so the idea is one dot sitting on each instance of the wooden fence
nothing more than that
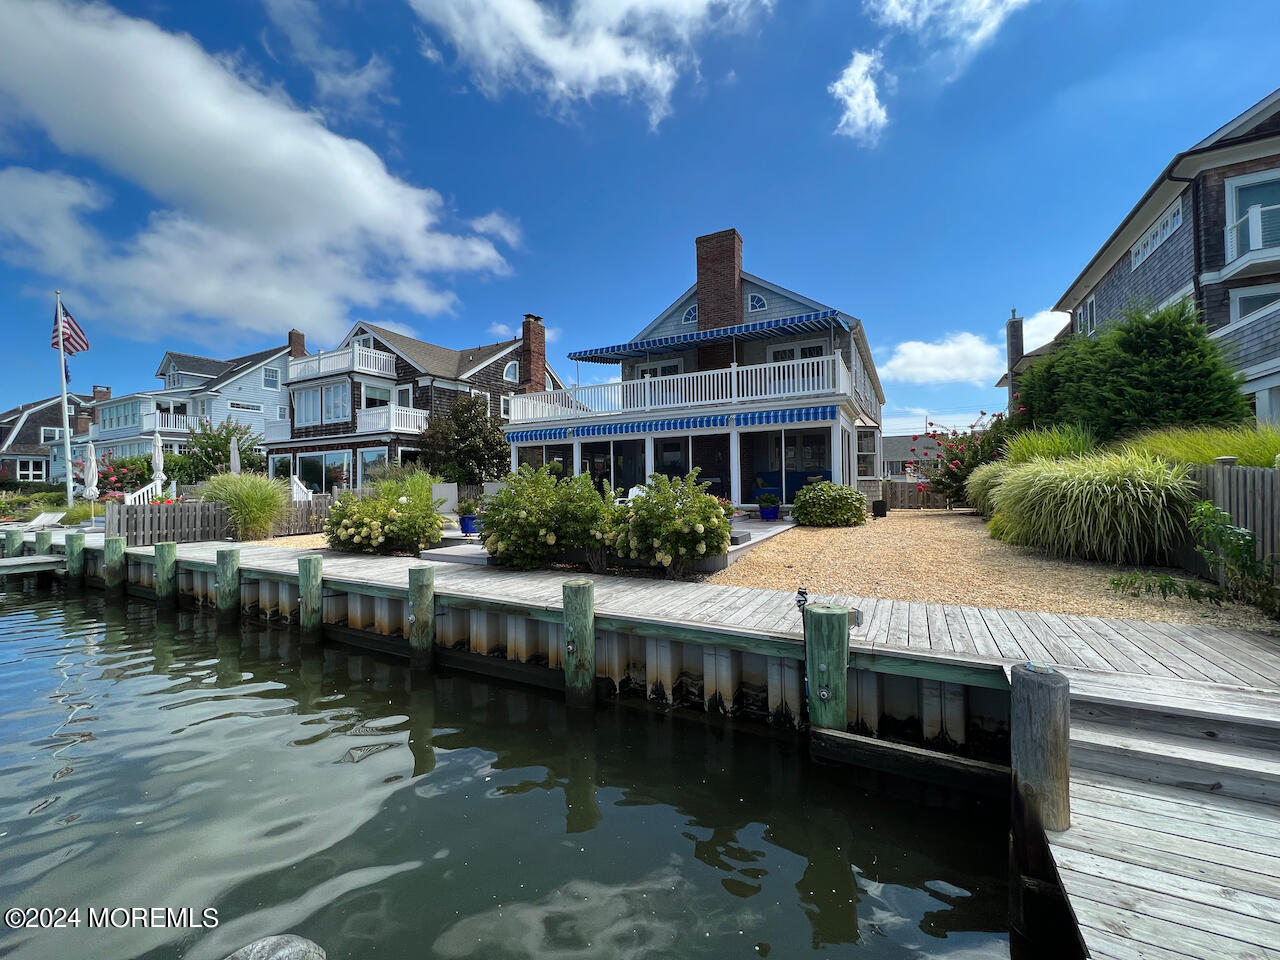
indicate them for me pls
(143, 524)
(1249, 495)
(305, 516)
(903, 494)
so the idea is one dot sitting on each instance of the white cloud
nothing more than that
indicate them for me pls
(1039, 329)
(862, 116)
(963, 24)
(502, 330)
(345, 89)
(957, 358)
(263, 218)
(574, 51)
(495, 224)
(553, 334)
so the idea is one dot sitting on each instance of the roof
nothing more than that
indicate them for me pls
(28, 407)
(899, 448)
(1248, 127)
(235, 367)
(190, 363)
(435, 360)
(759, 330)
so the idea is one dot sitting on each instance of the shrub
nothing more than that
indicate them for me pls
(584, 519)
(467, 444)
(209, 450)
(982, 483)
(671, 524)
(829, 504)
(1052, 443)
(768, 500)
(1114, 507)
(468, 506)
(520, 519)
(959, 454)
(401, 515)
(1254, 446)
(255, 502)
(76, 515)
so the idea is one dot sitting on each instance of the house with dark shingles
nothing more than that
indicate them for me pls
(28, 431)
(248, 390)
(763, 389)
(1208, 229)
(367, 402)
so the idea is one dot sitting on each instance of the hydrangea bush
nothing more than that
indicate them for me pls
(400, 516)
(671, 524)
(584, 519)
(829, 504)
(519, 520)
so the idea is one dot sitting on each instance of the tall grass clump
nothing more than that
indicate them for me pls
(982, 483)
(1052, 443)
(255, 502)
(1255, 446)
(1115, 507)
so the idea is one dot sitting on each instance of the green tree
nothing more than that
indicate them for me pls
(466, 445)
(1152, 369)
(209, 450)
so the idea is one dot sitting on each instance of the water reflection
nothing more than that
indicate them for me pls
(161, 761)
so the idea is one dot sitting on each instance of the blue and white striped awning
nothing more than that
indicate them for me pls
(759, 330)
(784, 416)
(537, 436)
(652, 426)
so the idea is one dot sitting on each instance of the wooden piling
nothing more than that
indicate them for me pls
(310, 595)
(44, 542)
(422, 615)
(579, 643)
(74, 551)
(166, 574)
(13, 543)
(228, 583)
(826, 652)
(113, 564)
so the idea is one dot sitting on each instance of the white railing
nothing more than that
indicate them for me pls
(1257, 229)
(299, 490)
(391, 417)
(144, 494)
(355, 358)
(160, 420)
(274, 430)
(763, 381)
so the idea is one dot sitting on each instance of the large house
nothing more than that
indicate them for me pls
(247, 390)
(763, 389)
(29, 432)
(911, 448)
(1208, 228)
(367, 402)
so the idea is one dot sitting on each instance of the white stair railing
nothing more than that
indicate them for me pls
(143, 494)
(300, 491)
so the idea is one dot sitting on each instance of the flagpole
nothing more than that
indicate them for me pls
(62, 376)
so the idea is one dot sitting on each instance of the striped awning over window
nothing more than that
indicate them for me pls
(675, 424)
(537, 436)
(759, 330)
(653, 426)
(783, 416)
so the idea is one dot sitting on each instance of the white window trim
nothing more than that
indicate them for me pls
(1231, 184)
(511, 365)
(1155, 234)
(796, 345)
(504, 406)
(400, 387)
(685, 318)
(298, 412)
(57, 434)
(764, 303)
(271, 462)
(1240, 292)
(30, 474)
(359, 460)
(282, 411)
(245, 406)
(364, 395)
(267, 386)
(657, 365)
(1091, 313)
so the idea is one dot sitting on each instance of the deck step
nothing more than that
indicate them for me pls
(1234, 770)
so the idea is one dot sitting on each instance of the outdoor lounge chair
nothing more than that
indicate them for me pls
(50, 519)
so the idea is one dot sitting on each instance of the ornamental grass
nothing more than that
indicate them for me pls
(982, 483)
(1052, 443)
(255, 502)
(1119, 507)
(1254, 446)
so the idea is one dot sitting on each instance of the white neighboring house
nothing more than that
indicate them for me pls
(763, 389)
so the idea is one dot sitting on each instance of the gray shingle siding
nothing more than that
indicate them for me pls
(1254, 342)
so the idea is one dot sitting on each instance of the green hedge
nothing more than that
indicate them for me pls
(828, 504)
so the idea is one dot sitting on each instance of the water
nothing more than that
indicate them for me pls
(147, 761)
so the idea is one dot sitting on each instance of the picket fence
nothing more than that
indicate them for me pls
(142, 524)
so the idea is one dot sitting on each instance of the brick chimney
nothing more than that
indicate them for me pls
(533, 355)
(1014, 352)
(719, 292)
(80, 425)
(100, 393)
(297, 343)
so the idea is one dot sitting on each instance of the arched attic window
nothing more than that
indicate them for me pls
(691, 315)
(512, 371)
(755, 303)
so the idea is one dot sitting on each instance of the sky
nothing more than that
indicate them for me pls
(202, 177)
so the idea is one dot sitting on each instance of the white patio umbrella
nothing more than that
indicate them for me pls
(157, 459)
(235, 454)
(90, 476)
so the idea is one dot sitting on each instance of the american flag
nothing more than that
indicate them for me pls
(66, 329)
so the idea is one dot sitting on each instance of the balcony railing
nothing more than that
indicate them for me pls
(354, 359)
(275, 430)
(1258, 229)
(146, 425)
(763, 381)
(391, 418)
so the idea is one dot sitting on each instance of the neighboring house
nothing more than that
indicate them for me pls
(247, 390)
(1208, 229)
(367, 401)
(899, 451)
(28, 432)
(761, 388)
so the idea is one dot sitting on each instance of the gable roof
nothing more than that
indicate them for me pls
(432, 359)
(190, 363)
(899, 447)
(241, 365)
(18, 416)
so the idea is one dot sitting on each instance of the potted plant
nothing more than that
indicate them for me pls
(468, 509)
(768, 504)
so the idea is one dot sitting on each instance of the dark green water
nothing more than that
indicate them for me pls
(153, 762)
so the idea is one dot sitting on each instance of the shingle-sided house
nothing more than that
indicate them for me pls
(367, 401)
(1208, 228)
(911, 448)
(28, 431)
(247, 390)
(763, 389)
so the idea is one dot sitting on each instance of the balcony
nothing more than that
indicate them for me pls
(1253, 242)
(354, 359)
(149, 423)
(390, 419)
(737, 384)
(275, 430)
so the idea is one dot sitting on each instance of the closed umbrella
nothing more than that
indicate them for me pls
(235, 454)
(90, 476)
(157, 460)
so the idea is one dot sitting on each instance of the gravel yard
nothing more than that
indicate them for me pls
(941, 556)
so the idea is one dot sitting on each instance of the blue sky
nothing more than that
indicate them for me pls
(202, 177)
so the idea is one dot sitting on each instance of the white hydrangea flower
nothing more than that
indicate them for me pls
(698, 528)
(702, 548)
(404, 499)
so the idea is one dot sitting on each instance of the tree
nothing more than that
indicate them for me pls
(466, 445)
(209, 449)
(1153, 369)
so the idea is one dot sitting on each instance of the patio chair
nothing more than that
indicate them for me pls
(631, 494)
(44, 520)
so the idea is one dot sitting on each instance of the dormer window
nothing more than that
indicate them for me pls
(691, 315)
(512, 371)
(755, 303)
(548, 384)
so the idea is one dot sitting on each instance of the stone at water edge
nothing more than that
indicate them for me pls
(284, 947)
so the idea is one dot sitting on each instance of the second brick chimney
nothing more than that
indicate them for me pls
(533, 355)
(100, 393)
(719, 292)
(297, 343)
